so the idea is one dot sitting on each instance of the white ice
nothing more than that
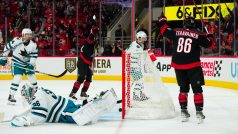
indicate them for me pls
(221, 110)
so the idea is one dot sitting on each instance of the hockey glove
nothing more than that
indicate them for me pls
(3, 62)
(162, 24)
(162, 20)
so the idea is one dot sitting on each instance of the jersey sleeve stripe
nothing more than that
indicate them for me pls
(34, 53)
(39, 114)
(7, 46)
(57, 112)
(39, 111)
(13, 84)
(40, 108)
(10, 46)
(53, 108)
(33, 56)
(13, 88)
(19, 60)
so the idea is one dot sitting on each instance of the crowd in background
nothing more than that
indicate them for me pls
(64, 26)
(57, 23)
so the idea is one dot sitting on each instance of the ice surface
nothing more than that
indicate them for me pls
(221, 110)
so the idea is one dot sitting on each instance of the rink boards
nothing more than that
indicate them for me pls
(218, 71)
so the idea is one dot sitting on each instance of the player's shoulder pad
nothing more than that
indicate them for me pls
(17, 40)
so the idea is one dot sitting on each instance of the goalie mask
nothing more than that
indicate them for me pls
(26, 34)
(141, 37)
(27, 92)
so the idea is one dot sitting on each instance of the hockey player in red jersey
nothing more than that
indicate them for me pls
(186, 62)
(84, 64)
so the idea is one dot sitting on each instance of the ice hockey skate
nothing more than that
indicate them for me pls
(11, 100)
(84, 96)
(200, 116)
(72, 97)
(185, 115)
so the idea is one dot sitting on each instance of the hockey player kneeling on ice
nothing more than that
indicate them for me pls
(45, 106)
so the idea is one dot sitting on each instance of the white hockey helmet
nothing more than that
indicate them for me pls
(27, 92)
(141, 37)
(26, 31)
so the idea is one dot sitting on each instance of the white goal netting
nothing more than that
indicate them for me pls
(144, 95)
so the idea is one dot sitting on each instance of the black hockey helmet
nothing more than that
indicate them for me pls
(189, 22)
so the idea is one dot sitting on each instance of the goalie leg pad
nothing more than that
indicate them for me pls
(93, 109)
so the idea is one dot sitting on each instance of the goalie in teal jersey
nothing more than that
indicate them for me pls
(45, 106)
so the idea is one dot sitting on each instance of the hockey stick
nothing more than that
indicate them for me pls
(56, 76)
(200, 17)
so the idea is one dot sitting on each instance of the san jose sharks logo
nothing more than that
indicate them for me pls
(24, 53)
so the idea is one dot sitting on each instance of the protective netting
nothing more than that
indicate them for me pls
(145, 96)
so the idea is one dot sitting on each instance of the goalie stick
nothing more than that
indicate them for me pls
(56, 76)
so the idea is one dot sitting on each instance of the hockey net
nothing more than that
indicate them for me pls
(144, 95)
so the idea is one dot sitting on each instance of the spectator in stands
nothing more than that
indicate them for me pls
(117, 48)
(42, 45)
(99, 50)
(120, 32)
(107, 50)
(227, 32)
(212, 28)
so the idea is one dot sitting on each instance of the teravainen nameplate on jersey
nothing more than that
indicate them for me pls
(70, 64)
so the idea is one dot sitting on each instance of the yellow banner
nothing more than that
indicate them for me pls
(207, 11)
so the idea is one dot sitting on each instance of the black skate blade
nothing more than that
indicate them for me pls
(11, 103)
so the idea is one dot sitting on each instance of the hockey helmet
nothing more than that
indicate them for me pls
(26, 31)
(27, 92)
(141, 37)
(189, 22)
